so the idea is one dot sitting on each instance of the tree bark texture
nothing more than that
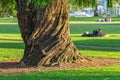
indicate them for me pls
(46, 34)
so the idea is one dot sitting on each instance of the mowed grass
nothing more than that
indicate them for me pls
(110, 40)
(92, 20)
(100, 73)
(99, 53)
(11, 42)
(8, 20)
(11, 47)
(73, 20)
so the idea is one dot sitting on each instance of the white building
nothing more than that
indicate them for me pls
(102, 7)
(117, 10)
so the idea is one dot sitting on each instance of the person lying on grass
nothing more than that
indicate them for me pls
(96, 33)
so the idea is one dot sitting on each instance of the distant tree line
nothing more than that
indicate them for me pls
(7, 8)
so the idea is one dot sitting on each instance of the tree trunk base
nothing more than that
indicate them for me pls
(45, 32)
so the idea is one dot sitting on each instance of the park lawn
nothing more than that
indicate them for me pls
(11, 42)
(100, 73)
(92, 19)
(10, 37)
(8, 20)
(111, 40)
(9, 29)
(10, 54)
(73, 20)
(107, 29)
(90, 22)
(12, 48)
(99, 53)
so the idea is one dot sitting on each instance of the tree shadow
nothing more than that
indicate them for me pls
(106, 28)
(6, 65)
(16, 40)
(98, 44)
(9, 29)
(14, 45)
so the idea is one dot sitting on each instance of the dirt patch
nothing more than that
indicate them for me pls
(12, 66)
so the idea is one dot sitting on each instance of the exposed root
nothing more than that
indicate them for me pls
(22, 64)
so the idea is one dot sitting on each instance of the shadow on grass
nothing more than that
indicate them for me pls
(6, 65)
(12, 45)
(97, 44)
(106, 28)
(65, 75)
(9, 29)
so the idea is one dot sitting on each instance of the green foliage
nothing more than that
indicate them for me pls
(7, 8)
(110, 3)
(118, 1)
(9, 5)
(39, 3)
(84, 3)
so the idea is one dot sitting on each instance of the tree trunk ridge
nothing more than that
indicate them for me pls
(46, 34)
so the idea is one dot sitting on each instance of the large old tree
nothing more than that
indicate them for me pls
(44, 26)
(45, 32)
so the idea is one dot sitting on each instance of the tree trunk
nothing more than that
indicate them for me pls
(46, 34)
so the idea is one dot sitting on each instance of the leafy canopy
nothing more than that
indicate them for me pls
(84, 3)
(37, 3)
(10, 4)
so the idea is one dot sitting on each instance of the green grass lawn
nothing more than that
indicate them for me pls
(8, 20)
(107, 29)
(11, 42)
(99, 53)
(91, 19)
(73, 20)
(111, 40)
(106, 73)
(11, 47)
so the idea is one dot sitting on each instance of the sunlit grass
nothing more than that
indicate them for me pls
(11, 41)
(10, 53)
(100, 73)
(92, 19)
(11, 36)
(11, 47)
(90, 22)
(4, 20)
(111, 40)
(99, 53)
(107, 29)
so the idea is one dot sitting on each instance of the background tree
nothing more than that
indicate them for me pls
(44, 26)
(7, 8)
